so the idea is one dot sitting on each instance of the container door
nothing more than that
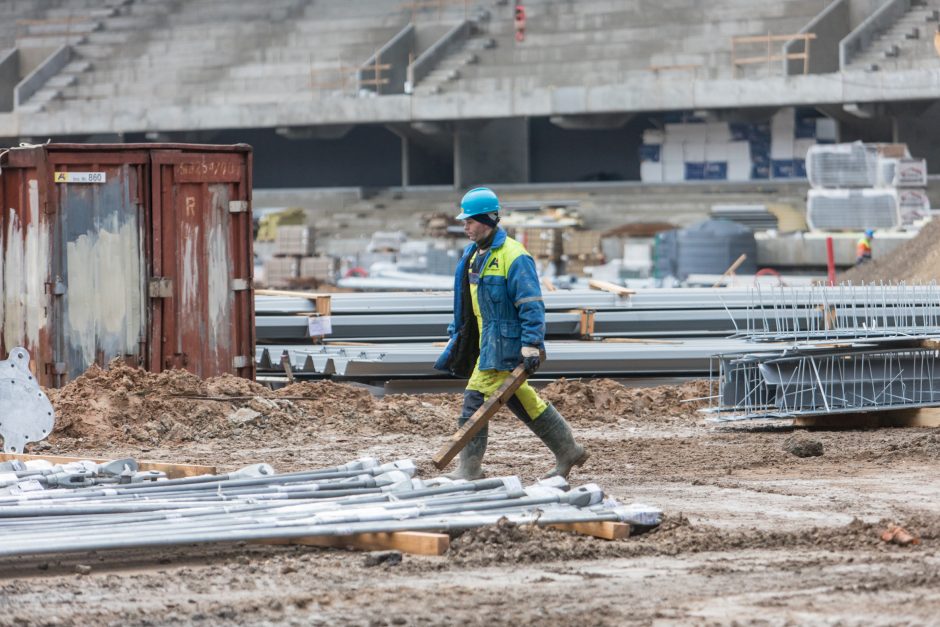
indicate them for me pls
(25, 265)
(203, 311)
(100, 278)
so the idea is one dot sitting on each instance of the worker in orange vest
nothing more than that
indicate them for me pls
(863, 248)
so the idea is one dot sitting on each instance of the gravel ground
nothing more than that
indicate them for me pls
(754, 534)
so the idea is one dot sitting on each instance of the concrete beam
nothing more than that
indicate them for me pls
(647, 94)
(591, 122)
(41, 75)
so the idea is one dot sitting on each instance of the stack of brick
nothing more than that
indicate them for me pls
(580, 249)
(294, 259)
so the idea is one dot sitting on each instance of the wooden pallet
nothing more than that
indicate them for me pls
(424, 543)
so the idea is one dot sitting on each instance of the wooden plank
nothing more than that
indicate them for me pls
(731, 269)
(479, 419)
(928, 417)
(173, 471)
(412, 542)
(637, 340)
(613, 288)
(762, 39)
(604, 530)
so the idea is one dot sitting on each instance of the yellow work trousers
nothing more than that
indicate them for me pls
(526, 403)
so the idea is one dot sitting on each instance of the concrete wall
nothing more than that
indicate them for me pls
(43, 72)
(494, 151)
(830, 27)
(435, 53)
(396, 53)
(584, 155)
(9, 77)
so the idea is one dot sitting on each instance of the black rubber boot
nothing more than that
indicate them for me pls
(471, 457)
(554, 431)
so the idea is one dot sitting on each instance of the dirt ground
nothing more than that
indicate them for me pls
(753, 533)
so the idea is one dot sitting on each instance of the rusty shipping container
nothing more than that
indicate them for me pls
(138, 251)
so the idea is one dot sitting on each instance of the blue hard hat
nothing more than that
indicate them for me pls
(869, 233)
(477, 201)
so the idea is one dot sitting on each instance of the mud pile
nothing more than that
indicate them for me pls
(506, 542)
(917, 261)
(605, 400)
(125, 404)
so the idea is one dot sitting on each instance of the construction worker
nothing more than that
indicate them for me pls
(518, 22)
(499, 322)
(863, 248)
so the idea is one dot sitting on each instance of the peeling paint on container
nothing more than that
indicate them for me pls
(140, 264)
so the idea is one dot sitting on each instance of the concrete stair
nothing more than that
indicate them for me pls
(607, 41)
(898, 48)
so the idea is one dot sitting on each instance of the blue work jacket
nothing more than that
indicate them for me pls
(511, 307)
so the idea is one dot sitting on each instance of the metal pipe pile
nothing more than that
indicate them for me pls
(362, 496)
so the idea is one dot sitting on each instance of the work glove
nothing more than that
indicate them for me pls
(531, 359)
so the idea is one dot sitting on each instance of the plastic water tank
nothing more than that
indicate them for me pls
(710, 247)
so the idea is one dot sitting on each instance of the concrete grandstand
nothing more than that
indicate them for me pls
(388, 93)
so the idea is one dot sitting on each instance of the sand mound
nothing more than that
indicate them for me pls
(917, 261)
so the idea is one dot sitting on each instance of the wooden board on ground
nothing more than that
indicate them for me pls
(413, 542)
(322, 301)
(478, 420)
(173, 471)
(613, 288)
(926, 417)
(605, 530)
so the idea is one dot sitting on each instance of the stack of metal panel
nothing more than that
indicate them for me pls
(874, 348)
(254, 504)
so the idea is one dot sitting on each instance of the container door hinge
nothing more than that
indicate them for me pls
(240, 285)
(160, 287)
(56, 288)
(240, 361)
(57, 367)
(237, 206)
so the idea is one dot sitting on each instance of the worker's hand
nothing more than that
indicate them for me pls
(531, 359)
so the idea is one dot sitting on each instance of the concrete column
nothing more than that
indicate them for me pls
(495, 151)
(405, 162)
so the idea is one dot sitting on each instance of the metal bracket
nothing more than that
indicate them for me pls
(237, 206)
(26, 415)
(160, 287)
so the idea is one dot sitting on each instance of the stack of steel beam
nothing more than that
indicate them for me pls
(867, 349)
(362, 496)
(389, 361)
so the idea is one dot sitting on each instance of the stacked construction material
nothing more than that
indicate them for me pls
(257, 504)
(691, 148)
(866, 349)
(865, 186)
(580, 250)
(293, 255)
(672, 332)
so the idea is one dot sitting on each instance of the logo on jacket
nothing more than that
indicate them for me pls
(495, 263)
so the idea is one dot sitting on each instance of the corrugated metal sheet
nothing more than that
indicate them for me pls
(151, 263)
